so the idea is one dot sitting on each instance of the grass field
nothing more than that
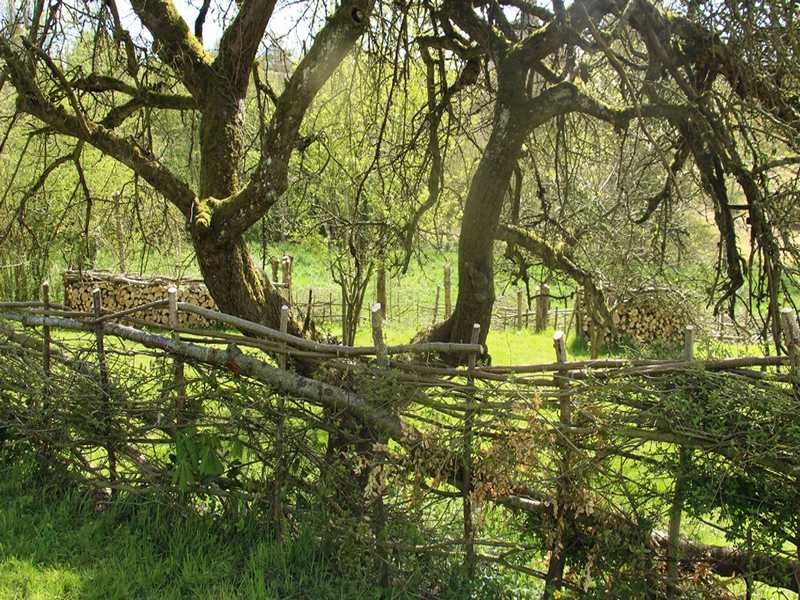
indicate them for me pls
(54, 546)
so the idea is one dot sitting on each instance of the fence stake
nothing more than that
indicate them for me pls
(791, 334)
(180, 379)
(280, 470)
(275, 264)
(578, 312)
(377, 333)
(676, 508)
(309, 310)
(688, 343)
(469, 417)
(378, 507)
(448, 305)
(380, 291)
(46, 346)
(284, 326)
(97, 304)
(519, 308)
(555, 569)
(287, 277)
(436, 306)
(542, 307)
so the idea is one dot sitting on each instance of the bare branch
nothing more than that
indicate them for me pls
(178, 47)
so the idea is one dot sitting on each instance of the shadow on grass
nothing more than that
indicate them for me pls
(53, 545)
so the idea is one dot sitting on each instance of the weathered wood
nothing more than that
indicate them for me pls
(542, 307)
(126, 294)
(380, 288)
(275, 264)
(286, 266)
(676, 507)
(179, 375)
(319, 393)
(436, 307)
(448, 303)
(520, 296)
(105, 388)
(336, 350)
(281, 471)
(791, 335)
(467, 487)
(688, 343)
(284, 325)
(554, 579)
(376, 318)
(46, 346)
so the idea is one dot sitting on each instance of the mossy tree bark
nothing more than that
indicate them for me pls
(536, 60)
(223, 208)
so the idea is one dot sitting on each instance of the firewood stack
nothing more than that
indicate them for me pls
(648, 315)
(121, 292)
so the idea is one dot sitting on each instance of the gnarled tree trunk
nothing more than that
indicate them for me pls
(478, 227)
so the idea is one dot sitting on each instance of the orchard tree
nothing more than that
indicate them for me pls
(91, 103)
(721, 79)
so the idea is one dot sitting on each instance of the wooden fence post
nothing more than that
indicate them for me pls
(345, 326)
(555, 568)
(791, 334)
(284, 326)
(97, 305)
(378, 507)
(280, 470)
(688, 343)
(676, 508)
(542, 307)
(436, 306)
(380, 291)
(286, 263)
(469, 417)
(275, 264)
(519, 308)
(578, 312)
(46, 346)
(376, 318)
(448, 304)
(180, 380)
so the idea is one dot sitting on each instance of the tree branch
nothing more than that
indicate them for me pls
(177, 46)
(31, 100)
(235, 214)
(239, 43)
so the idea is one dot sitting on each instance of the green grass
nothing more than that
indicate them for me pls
(53, 545)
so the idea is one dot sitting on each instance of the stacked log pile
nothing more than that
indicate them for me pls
(647, 315)
(121, 292)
